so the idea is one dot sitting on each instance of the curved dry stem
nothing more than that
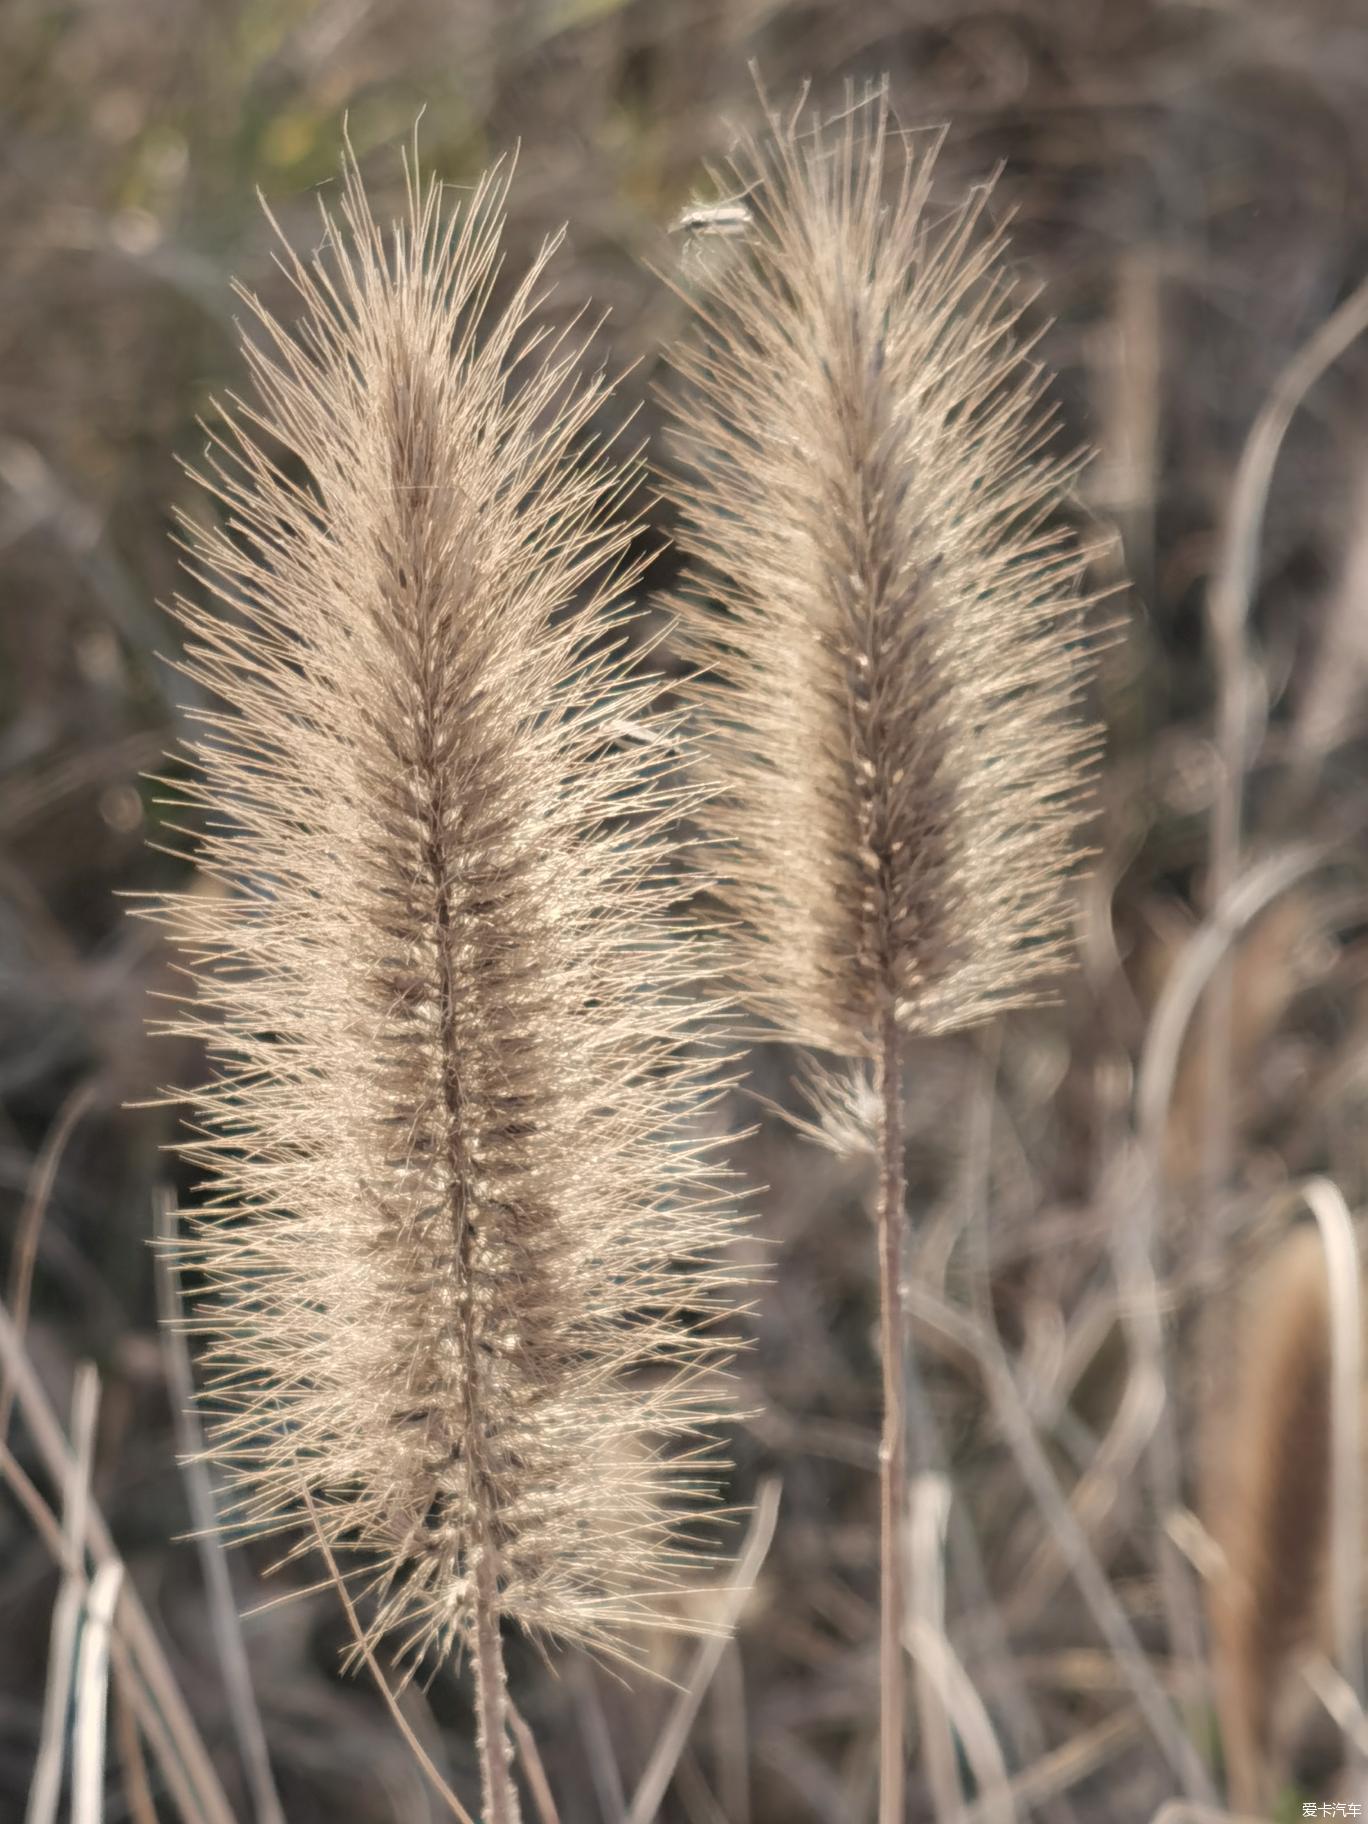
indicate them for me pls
(1344, 1273)
(367, 1653)
(1037, 1473)
(210, 1802)
(1191, 974)
(1228, 602)
(669, 1745)
(36, 1198)
(529, 1759)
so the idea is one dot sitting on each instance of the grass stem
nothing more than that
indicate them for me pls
(491, 1700)
(893, 1445)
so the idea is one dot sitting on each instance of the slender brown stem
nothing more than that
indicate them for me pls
(491, 1700)
(136, 1786)
(892, 1446)
(534, 1773)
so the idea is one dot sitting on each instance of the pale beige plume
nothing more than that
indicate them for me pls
(457, 1259)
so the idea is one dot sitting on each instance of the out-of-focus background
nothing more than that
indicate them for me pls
(1187, 184)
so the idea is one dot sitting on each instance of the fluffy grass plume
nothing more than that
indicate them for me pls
(1269, 1441)
(887, 631)
(890, 687)
(462, 1250)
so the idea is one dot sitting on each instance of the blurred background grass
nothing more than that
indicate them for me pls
(1187, 185)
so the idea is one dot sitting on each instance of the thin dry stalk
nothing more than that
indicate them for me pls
(142, 1711)
(730, 1731)
(659, 1771)
(458, 1254)
(1341, 1704)
(1339, 1239)
(1038, 1474)
(92, 1694)
(1054, 1773)
(36, 1199)
(992, 1650)
(695, 1794)
(1131, 405)
(1330, 700)
(137, 1788)
(598, 1747)
(1135, 1231)
(45, 1788)
(1196, 972)
(1111, 1466)
(137, 1707)
(162, 1740)
(181, 1751)
(230, 1649)
(166, 1718)
(887, 632)
(366, 1651)
(940, 1665)
(891, 1222)
(1190, 978)
(529, 1759)
(930, 1507)
(1228, 603)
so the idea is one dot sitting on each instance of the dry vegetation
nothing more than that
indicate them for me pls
(1094, 1185)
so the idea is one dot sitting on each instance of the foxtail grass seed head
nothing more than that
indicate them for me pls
(1268, 1441)
(885, 617)
(459, 1253)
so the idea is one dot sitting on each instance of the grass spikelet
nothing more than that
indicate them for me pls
(462, 1250)
(889, 692)
(1269, 1505)
(887, 629)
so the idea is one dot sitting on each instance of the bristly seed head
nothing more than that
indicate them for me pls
(886, 624)
(461, 1255)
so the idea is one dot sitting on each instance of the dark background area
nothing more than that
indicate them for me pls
(1187, 187)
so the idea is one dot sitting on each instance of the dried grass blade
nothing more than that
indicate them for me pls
(231, 1649)
(92, 1697)
(1345, 1275)
(178, 1726)
(45, 1789)
(1038, 1475)
(655, 1780)
(930, 1507)
(529, 1758)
